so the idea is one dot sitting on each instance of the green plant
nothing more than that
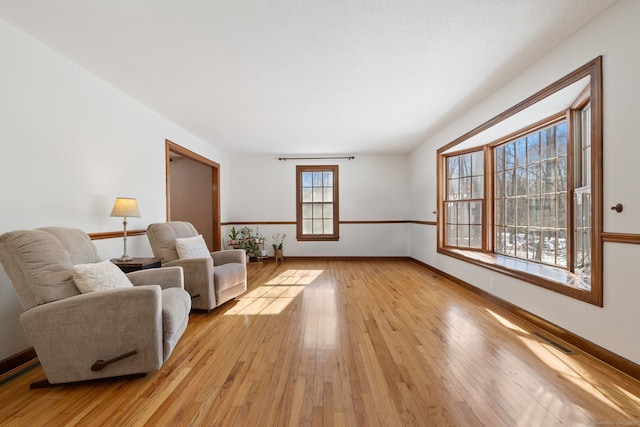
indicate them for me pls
(259, 236)
(260, 240)
(244, 233)
(278, 240)
(248, 241)
(233, 235)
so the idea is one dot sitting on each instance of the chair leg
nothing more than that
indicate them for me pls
(46, 384)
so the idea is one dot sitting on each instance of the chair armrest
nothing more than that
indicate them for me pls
(70, 335)
(229, 256)
(171, 277)
(198, 274)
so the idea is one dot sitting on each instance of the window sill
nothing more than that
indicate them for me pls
(552, 278)
(317, 238)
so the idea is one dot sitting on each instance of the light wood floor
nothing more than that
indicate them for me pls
(346, 343)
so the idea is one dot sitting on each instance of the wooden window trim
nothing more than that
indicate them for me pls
(483, 200)
(592, 69)
(335, 236)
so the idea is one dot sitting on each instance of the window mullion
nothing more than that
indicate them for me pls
(573, 117)
(488, 234)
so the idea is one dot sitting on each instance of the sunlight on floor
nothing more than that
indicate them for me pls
(532, 416)
(568, 370)
(628, 395)
(275, 295)
(505, 322)
(295, 277)
(563, 364)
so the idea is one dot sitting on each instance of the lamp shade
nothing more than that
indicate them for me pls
(126, 207)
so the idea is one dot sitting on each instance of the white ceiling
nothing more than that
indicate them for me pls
(306, 77)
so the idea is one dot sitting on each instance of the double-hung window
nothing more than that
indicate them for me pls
(317, 202)
(523, 202)
(464, 201)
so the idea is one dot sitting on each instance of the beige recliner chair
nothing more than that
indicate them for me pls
(129, 329)
(211, 280)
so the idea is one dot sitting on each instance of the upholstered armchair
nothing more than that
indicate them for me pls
(212, 278)
(119, 325)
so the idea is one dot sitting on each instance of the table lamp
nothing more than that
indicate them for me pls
(125, 207)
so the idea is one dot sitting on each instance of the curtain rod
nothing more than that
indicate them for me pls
(316, 158)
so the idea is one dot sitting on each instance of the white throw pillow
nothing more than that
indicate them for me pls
(99, 276)
(192, 247)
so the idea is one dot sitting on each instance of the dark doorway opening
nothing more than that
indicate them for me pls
(193, 192)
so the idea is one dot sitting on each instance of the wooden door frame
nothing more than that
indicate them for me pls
(171, 147)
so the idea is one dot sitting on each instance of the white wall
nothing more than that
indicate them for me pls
(372, 188)
(614, 35)
(69, 145)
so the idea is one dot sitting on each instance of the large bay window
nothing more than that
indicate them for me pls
(516, 194)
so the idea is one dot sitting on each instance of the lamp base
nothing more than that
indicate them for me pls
(125, 257)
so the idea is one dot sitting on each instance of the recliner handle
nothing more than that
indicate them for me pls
(99, 365)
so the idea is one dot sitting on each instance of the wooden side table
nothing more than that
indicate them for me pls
(136, 264)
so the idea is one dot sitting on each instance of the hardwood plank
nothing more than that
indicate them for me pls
(361, 343)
